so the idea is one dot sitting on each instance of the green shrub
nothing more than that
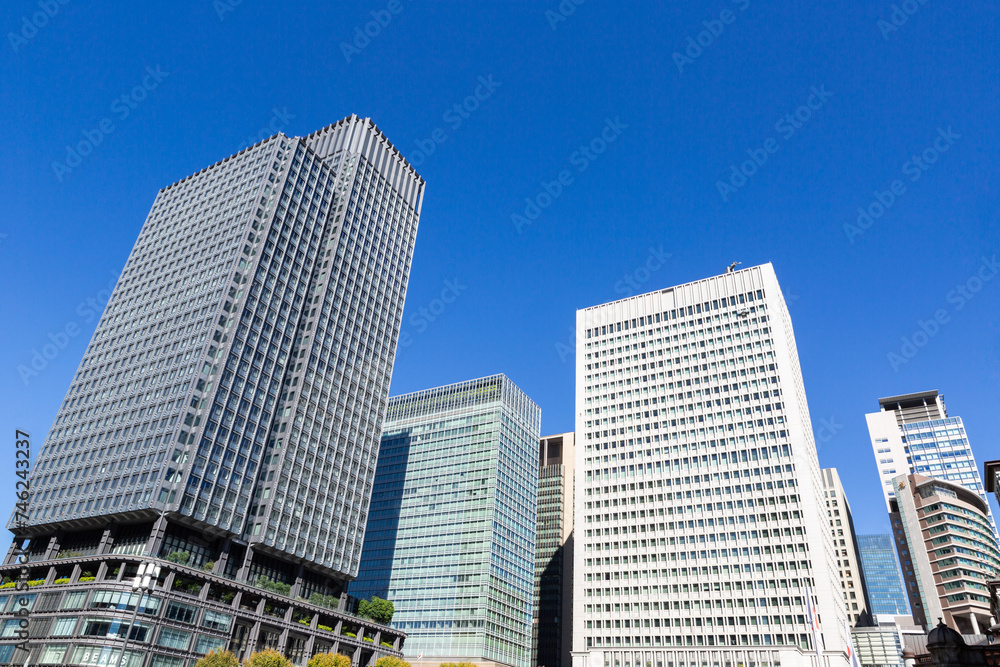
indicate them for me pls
(387, 644)
(86, 579)
(329, 660)
(268, 658)
(36, 582)
(61, 580)
(328, 601)
(209, 566)
(391, 661)
(377, 609)
(351, 634)
(9, 584)
(325, 627)
(218, 658)
(368, 639)
(228, 596)
(179, 557)
(273, 586)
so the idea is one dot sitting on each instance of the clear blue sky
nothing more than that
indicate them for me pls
(679, 122)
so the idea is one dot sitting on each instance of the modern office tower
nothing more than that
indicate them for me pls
(845, 545)
(224, 421)
(552, 629)
(701, 531)
(881, 573)
(451, 531)
(913, 434)
(943, 529)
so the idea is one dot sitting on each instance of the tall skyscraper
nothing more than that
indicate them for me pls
(846, 549)
(882, 580)
(227, 411)
(913, 434)
(701, 531)
(552, 629)
(943, 529)
(451, 532)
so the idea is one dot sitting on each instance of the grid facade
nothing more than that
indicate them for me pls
(700, 524)
(451, 532)
(913, 434)
(946, 534)
(238, 375)
(845, 544)
(880, 646)
(552, 624)
(881, 573)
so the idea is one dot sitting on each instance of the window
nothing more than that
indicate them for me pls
(166, 661)
(53, 653)
(63, 627)
(215, 620)
(171, 638)
(74, 600)
(182, 613)
(204, 644)
(10, 627)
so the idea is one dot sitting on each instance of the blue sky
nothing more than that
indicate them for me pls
(829, 101)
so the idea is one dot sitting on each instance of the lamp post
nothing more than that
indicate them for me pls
(142, 582)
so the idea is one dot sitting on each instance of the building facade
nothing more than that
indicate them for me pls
(879, 645)
(228, 408)
(852, 582)
(883, 583)
(701, 531)
(943, 529)
(552, 624)
(451, 532)
(913, 434)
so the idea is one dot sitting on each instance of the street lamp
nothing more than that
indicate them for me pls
(142, 582)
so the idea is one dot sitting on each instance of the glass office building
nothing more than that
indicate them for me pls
(451, 530)
(881, 573)
(914, 434)
(227, 410)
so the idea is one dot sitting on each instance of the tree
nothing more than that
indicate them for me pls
(218, 658)
(378, 610)
(391, 661)
(268, 658)
(329, 660)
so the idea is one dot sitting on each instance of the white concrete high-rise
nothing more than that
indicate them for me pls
(700, 523)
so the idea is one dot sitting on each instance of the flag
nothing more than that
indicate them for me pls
(852, 655)
(813, 621)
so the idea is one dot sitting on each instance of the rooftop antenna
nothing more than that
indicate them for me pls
(732, 267)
